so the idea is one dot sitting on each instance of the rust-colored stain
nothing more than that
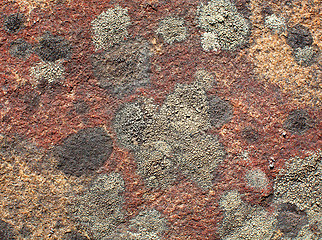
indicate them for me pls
(276, 117)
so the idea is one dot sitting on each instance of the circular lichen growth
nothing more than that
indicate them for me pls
(299, 37)
(123, 68)
(110, 27)
(220, 111)
(156, 164)
(99, 209)
(47, 72)
(257, 179)
(20, 49)
(52, 48)
(220, 17)
(84, 152)
(275, 23)
(129, 123)
(300, 174)
(172, 29)
(298, 122)
(14, 22)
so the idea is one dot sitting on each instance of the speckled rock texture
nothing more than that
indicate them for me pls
(160, 120)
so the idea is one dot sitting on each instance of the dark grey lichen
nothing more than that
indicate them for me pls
(250, 134)
(6, 231)
(99, 209)
(298, 121)
(221, 18)
(52, 48)
(290, 219)
(123, 68)
(20, 49)
(14, 22)
(220, 111)
(84, 151)
(299, 37)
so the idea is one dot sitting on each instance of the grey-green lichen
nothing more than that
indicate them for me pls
(275, 23)
(147, 225)
(171, 139)
(99, 209)
(50, 72)
(300, 182)
(257, 179)
(172, 29)
(110, 27)
(305, 55)
(221, 18)
(243, 221)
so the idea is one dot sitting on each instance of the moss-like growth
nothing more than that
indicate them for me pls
(110, 27)
(172, 29)
(123, 68)
(84, 152)
(221, 17)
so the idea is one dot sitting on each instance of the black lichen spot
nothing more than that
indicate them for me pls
(14, 22)
(6, 231)
(220, 111)
(250, 134)
(123, 68)
(290, 220)
(298, 121)
(74, 236)
(84, 151)
(52, 48)
(20, 49)
(299, 37)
